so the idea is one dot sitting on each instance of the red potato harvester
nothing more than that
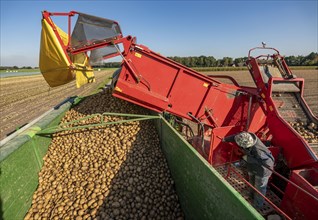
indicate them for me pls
(272, 110)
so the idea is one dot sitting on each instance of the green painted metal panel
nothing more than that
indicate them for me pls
(202, 191)
(19, 175)
(13, 144)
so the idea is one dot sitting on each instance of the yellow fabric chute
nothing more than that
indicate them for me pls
(54, 63)
(84, 73)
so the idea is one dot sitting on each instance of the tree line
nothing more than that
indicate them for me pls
(309, 60)
(209, 61)
(16, 67)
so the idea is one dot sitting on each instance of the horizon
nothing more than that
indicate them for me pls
(173, 28)
(171, 57)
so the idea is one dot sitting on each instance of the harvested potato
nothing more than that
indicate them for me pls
(109, 172)
(309, 131)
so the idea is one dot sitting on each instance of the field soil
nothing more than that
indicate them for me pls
(22, 99)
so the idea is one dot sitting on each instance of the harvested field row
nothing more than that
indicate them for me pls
(22, 99)
(110, 172)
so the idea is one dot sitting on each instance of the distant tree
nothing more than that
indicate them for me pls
(207, 62)
(177, 59)
(200, 61)
(311, 59)
(109, 65)
(218, 63)
(193, 61)
(292, 61)
(226, 61)
(212, 61)
(26, 67)
(186, 61)
(239, 61)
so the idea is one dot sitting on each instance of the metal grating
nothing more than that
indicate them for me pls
(289, 107)
(240, 186)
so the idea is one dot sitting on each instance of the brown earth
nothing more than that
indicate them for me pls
(24, 98)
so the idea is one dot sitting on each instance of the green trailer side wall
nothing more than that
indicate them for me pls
(19, 175)
(203, 193)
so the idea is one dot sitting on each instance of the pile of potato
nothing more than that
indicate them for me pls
(110, 172)
(309, 131)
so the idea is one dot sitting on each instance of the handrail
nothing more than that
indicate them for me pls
(291, 182)
(64, 126)
(226, 77)
(261, 48)
(258, 192)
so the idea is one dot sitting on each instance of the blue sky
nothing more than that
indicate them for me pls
(173, 28)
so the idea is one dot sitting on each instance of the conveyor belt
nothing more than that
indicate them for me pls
(291, 110)
(289, 107)
(239, 185)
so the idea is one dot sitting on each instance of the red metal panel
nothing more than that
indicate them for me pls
(298, 204)
(295, 150)
(132, 93)
(158, 75)
(188, 93)
(221, 152)
(231, 107)
(161, 84)
(258, 117)
(155, 82)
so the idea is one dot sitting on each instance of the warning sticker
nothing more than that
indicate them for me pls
(138, 55)
(118, 89)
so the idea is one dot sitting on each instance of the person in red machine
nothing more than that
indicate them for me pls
(258, 158)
